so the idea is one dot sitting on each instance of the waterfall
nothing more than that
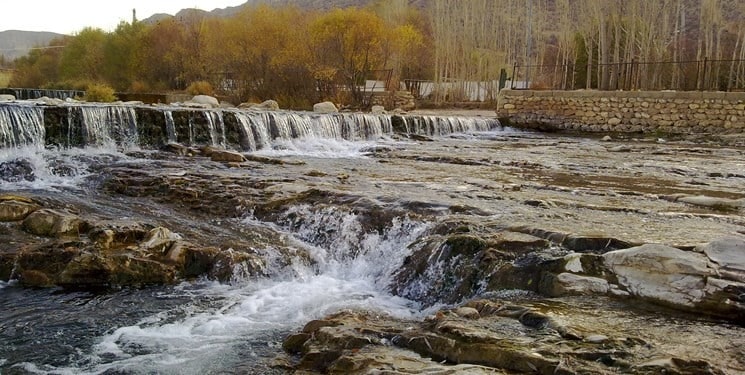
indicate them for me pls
(216, 127)
(442, 125)
(82, 124)
(26, 94)
(261, 128)
(21, 125)
(108, 125)
(170, 126)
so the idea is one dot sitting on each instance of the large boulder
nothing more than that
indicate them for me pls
(227, 156)
(267, 105)
(728, 253)
(325, 107)
(52, 223)
(680, 279)
(7, 98)
(451, 267)
(569, 283)
(16, 210)
(377, 110)
(661, 273)
(206, 100)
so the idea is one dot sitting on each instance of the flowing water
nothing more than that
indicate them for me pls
(204, 326)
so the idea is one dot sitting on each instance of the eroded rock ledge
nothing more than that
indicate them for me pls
(479, 337)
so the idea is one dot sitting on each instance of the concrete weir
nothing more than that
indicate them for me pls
(84, 124)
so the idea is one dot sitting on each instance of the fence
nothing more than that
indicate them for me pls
(454, 90)
(703, 75)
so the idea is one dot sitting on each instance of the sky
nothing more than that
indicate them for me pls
(71, 16)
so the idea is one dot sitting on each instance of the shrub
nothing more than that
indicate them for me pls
(200, 88)
(139, 87)
(99, 92)
(81, 85)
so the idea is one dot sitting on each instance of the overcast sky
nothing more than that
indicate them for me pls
(70, 16)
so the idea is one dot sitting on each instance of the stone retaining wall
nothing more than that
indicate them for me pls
(625, 111)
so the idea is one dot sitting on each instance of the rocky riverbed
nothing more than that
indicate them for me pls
(491, 252)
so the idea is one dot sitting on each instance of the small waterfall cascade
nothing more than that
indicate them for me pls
(21, 125)
(108, 125)
(216, 126)
(261, 128)
(170, 126)
(442, 125)
(30, 94)
(115, 126)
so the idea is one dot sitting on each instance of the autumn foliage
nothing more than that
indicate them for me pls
(261, 53)
(299, 57)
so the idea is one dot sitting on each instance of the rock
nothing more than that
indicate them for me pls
(596, 339)
(87, 269)
(159, 240)
(568, 283)
(377, 110)
(35, 278)
(607, 138)
(117, 234)
(227, 156)
(191, 104)
(661, 273)
(263, 159)
(325, 107)
(190, 260)
(271, 105)
(467, 312)
(677, 366)
(52, 223)
(247, 105)
(211, 101)
(231, 265)
(267, 105)
(41, 265)
(12, 210)
(128, 269)
(177, 149)
(17, 170)
(728, 253)
(49, 101)
(7, 98)
(712, 202)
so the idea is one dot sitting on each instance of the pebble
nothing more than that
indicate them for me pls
(596, 339)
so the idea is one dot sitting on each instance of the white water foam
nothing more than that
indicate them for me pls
(241, 320)
(54, 169)
(316, 147)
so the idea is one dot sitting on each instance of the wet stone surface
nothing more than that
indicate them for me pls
(528, 263)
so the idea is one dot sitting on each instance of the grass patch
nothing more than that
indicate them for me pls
(5, 78)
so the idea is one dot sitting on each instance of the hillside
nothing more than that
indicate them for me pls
(16, 43)
(321, 5)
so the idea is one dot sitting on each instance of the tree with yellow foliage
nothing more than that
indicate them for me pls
(347, 45)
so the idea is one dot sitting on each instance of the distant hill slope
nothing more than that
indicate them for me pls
(305, 4)
(15, 43)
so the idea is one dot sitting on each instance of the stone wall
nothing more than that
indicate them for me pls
(392, 100)
(625, 111)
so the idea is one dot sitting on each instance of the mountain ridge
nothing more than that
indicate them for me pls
(17, 43)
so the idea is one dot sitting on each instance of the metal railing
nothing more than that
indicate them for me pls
(701, 75)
